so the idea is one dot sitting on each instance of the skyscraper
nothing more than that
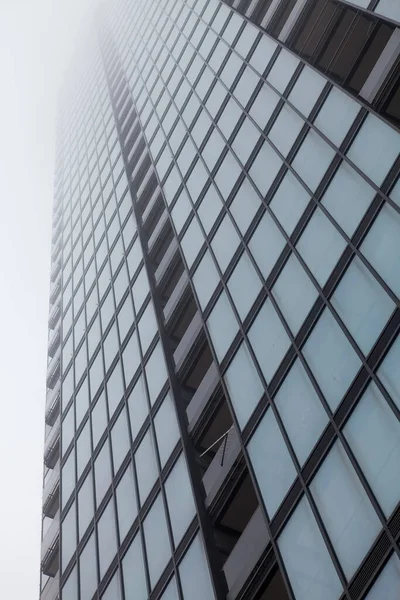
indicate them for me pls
(222, 415)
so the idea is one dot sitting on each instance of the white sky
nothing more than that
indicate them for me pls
(37, 38)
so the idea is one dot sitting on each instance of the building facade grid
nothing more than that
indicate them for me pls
(208, 145)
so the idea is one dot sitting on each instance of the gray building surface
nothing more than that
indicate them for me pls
(222, 413)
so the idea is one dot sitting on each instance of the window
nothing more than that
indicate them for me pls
(306, 558)
(222, 326)
(373, 433)
(294, 293)
(137, 407)
(269, 340)
(133, 572)
(126, 502)
(321, 246)
(107, 538)
(375, 148)
(289, 202)
(167, 430)
(193, 567)
(88, 569)
(225, 242)
(85, 505)
(156, 373)
(120, 441)
(265, 168)
(245, 205)
(301, 411)
(180, 499)
(306, 90)
(273, 467)
(337, 115)
(347, 198)
(382, 244)
(244, 285)
(205, 279)
(68, 536)
(362, 304)
(102, 472)
(345, 509)
(313, 159)
(157, 540)
(331, 358)
(243, 383)
(285, 130)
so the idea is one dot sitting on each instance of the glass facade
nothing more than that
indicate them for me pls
(223, 404)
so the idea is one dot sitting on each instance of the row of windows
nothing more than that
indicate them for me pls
(131, 573)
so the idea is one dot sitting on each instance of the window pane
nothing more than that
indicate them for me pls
(102, 472)
(167, 430)
(120, 441)
(375, 148)
(306, 90)
(157, 540)
(269, 340)
(301, 411)
(146, 466)
(373, 433)
(306, 558)
(113, 591)
(282, 70)
(225, 242)
(68, 478)
(126, 502)
(331, 358)
(321, 246)
(271, 461)
(244, 285)
(289, 202)
(205, 279)
(245, 205)
(85, 505)
(194, 567)
(222, 326)
(265, 168)
(171, 592)
(337, 115)
(68, 536)
(382, 246)
(138, 407)
(294, 293)
(266, 244)
(70, 588)
(107, 538)
(346, 511)
(88, 569)
(243, 384)
(115, 389)
(363, 305)
(285, 129)
(180, 499)
(192, 241)
(83, 449)
(131, 358)
(99, 419)
(133, 572)
(389, 371)
(156, 373)
(313, 159)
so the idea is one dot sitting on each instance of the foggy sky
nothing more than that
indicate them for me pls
(37, 39)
